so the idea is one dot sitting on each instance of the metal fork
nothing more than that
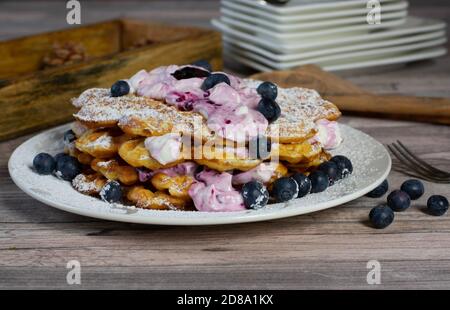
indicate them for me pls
(420, 167)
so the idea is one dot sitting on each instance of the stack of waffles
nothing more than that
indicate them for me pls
(185, 138)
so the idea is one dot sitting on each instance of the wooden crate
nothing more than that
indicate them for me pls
(33, 98)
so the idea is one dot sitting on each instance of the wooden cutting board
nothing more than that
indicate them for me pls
(355, 100)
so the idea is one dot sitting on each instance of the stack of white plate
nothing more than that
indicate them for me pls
(335, 35)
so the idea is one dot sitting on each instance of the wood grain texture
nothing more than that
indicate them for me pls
(328, 249)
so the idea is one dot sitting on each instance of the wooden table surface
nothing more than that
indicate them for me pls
(328, 249)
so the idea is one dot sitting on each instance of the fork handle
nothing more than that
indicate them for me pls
(434, 110)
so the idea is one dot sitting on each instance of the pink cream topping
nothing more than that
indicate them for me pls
(186, 168)
(262, 173)
(213, 192)
(328, 134)
(230, 110)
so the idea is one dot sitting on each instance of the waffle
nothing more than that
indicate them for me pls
(142, 116)
(111, 144)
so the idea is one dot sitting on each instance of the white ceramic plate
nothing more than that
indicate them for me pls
(412, 26)
(262, 24)
(256, 13)
(371, 162)
(349, 64)
(305, 6)
(342, 31)
(386, 53)
(309, 53)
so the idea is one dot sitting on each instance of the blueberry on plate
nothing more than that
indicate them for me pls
(255, 195)
(379, 191)
(111, 192)
(190, 72)
(69, 136)
(203, 64)
(304, 184)
(67, 168)
(414, 188)
(213, 80)
(267, 90)
(398, 201)
(331, 169)
(270, 109)
(437, 205)
(344, 165)
(284, 189)
(319, 181)
(381, 216)
(260, 147)
(120, 88)
(44, 163)
(59, 156)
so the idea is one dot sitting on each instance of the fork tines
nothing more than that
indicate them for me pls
(420, 167)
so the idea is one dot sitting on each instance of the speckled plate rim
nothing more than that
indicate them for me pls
(375, 169)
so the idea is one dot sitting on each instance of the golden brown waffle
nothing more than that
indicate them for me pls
(113, 170)
(101, 143)
(138, 115)
(146, 199)
(295, 153)
(311, 164)
(89, 184)
(177, 186)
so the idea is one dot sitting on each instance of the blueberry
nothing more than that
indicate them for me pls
(437, 205)
(213, 80)
(267, 90)
(304, 184)
(111, 192)
(67, 168)
(344, 165)
(270, 109)
(331, 169)
(203, 64)
(319, 181)
(398, 200)
(59, 156)
(381, 216)
(260, 147)
(190, 72)
(285, 189)
(120, 88)
(414, 188)
(69, 137)
(44, 163)
(255, 195)
(379, 191)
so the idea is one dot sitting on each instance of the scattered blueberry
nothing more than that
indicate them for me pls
(344, 165)
(69, 137)
(319, 181)
(267, 90)
(190, 72)
(203, 64)
(44, 163)
(437, 205)
(304, 184)
(285, 189)
(67, 168)
(111, 192)
(398, 200)
(414, 188)
(260, 147)
(59, 156)
(381, 216)
(379, 191)
(331, 169)
(270, 109)
(255, 195)
(213, 80)
(120, 88)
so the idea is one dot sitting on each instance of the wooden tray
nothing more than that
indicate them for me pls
(33, 98)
